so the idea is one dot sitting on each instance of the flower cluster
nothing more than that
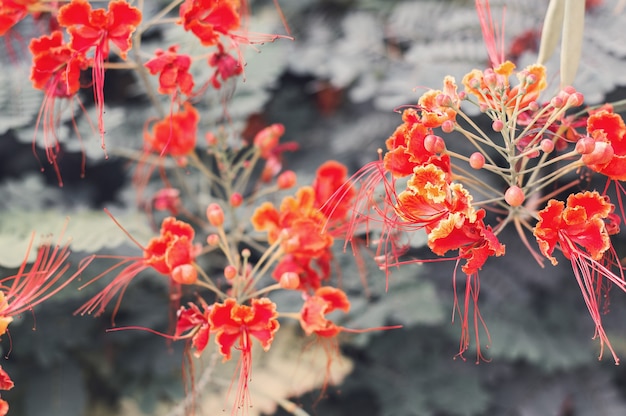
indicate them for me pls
(529, 157)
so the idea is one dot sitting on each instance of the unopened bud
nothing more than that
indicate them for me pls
(585, 145)
(185, 274)
(289, 280)
(236, 199)
(533, 106)
(230, 272)
(575, 100)
(213, 240)
(434, 144)
(497, 125)
(443, 100)
(557, 102)
(215, 215)
(601, 155)
(286, 180)
(514, 196)
(477, 160)
(447, 126)
(547, 145)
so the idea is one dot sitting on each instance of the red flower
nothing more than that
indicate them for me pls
(173, 70)
(94, 29)
(607, 128)
(207, 19)
(579, 228)
(11, 12)
(330, 179)
(237, 324)
(313, 314)
(171, 253)
(581, 223)
(56, 71)
(196, 323)
(225, 66)
(175, 134)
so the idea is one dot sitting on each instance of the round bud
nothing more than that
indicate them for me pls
(236, 199)
(185, 274)
(230, 272)
(477, 160)
(286, 180)
(215, 215)
(547, 145)
(575, 100)
(213, 240)
(434, 144)
(514, 196)
(289, 280)
(585, 145)
(557, 102)
(533, 106)
(447, 126)
(497, 125)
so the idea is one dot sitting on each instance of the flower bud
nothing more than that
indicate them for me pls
(477, 160)
(215, 215)
(497, 125)
(447, 126)
(547, 145)
(213, 240)
(434, 144)
(514, 196)
(286, 180)
(601, 155)
(533, 106)
(236, 199)
(289, 280)
(585, 145)
(230, 272)
(185, 274)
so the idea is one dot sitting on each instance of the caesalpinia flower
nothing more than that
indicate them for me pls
(608, 156)
(208, 19)
(95, 29)
(174, 135)
(581, 229)
(173, 70)
(13, 11)
(235, 325)
(172, 253)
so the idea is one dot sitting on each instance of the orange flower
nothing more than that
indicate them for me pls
(429, 198)
(234, 323)
(493, 90)
(439, 106)
(331, 178)
(313, 314)
(607, 129)
(171, 253)
(94, 29)
(175, 134)
(173, 70)
(207, 19)
(299, 223)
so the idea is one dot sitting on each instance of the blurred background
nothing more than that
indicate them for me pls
(337, 88)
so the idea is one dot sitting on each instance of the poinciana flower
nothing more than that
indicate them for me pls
(226, 66)
(95, 29)
(208, 19)
(267, 141)
(608, 156)
(56, 71)
(173, 70)
(174, 135)
(325, 300)
(193, 322)
(13, 11)
(581, 229)
(235, 325)
(172, 253)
